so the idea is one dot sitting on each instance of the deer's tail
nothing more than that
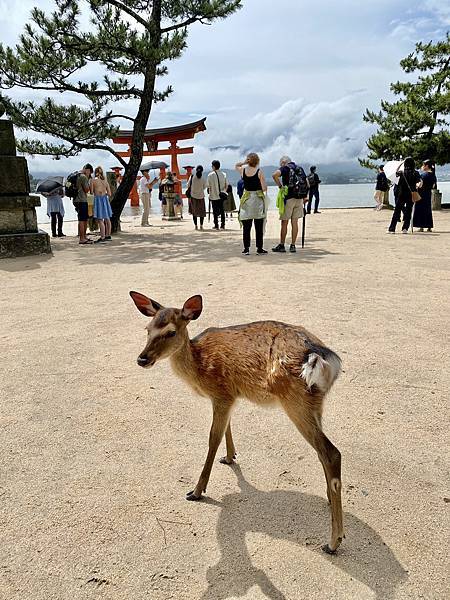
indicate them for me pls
(321, 368)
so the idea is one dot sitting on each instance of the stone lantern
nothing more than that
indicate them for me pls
(169, 190)
(19, 233)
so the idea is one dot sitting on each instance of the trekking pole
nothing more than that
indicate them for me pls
(412, 217)
(303, 226)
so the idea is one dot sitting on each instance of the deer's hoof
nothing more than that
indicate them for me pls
(227, 461)
(326, 548)
(192, 497)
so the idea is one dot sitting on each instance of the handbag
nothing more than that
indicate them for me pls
(222, 195)
(188, 191)
(415, 196)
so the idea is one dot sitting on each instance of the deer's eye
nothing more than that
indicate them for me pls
(170, 334)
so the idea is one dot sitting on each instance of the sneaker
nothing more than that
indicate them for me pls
(279, 248)
(100, 241)
(216, 228)
(61, 235)
(222, 227)
(317, 212)
(246, 251)
(389, 231)
(261, 251)
(108, 238)
(292, 248)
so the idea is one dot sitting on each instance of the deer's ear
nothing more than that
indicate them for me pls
(146, 306)
(192, 308)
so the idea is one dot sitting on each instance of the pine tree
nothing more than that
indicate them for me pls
(128, 42)
(417, 124)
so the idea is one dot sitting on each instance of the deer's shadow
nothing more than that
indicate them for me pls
(300, 518)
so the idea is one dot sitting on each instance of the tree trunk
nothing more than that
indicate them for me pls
(140, 124)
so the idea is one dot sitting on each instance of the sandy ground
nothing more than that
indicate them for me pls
(97, 454)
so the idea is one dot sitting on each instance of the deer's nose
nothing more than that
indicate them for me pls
(142, 362)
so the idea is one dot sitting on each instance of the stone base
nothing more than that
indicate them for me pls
(24, 244)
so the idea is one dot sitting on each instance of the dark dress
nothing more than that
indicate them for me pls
(423, 217)
(406, 184)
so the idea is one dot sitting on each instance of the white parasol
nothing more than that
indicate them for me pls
(391, 168)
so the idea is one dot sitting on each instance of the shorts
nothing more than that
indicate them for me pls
(293, 209)
(82, 210)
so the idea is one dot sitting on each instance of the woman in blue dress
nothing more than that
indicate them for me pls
(423, 217)
(102, 208)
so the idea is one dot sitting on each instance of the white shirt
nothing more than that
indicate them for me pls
(143, 183)
(214, 179)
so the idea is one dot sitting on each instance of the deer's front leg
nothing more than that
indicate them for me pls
(221, 415)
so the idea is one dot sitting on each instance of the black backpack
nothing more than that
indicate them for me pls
(71, 187)
(298, 183)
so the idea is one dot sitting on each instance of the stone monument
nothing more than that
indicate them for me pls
(170, 194)
(19, 233)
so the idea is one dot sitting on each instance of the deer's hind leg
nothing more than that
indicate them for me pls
(221, 417)
(303, 414)
(231, 450)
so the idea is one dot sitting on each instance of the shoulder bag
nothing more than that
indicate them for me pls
(415, 196)
(222, 195)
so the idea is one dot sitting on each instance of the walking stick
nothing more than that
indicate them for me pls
(303, 226)
(412, 217)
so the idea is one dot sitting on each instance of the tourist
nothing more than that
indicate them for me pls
(81, 202)
(196, 192)
(409, 179)
(102, 207)
(423, 216)
(253, 207)
(229, 205)
(145, 190)
(55, 210)
(217, 185)
(162, 199)
(313, 182)
(293, 185)
(381, 187)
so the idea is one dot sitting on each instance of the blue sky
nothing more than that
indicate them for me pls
(287, 77)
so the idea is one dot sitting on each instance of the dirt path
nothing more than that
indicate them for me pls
(97, 454)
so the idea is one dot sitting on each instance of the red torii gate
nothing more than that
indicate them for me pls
(172, 135)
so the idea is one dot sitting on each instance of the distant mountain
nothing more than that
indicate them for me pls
(216, 148)
(332, 173)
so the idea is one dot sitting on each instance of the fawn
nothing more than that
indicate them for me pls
(266, 362)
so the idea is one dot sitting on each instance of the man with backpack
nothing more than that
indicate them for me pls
(291, 178)
(313, 182)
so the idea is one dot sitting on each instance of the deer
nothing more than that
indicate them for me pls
(265, 362)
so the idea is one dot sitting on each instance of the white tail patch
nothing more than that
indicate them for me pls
(320, 372)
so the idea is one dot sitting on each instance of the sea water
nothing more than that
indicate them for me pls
(355, 195)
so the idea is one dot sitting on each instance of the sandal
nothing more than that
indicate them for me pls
(85, 242)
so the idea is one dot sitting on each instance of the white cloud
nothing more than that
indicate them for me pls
(278, 79)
